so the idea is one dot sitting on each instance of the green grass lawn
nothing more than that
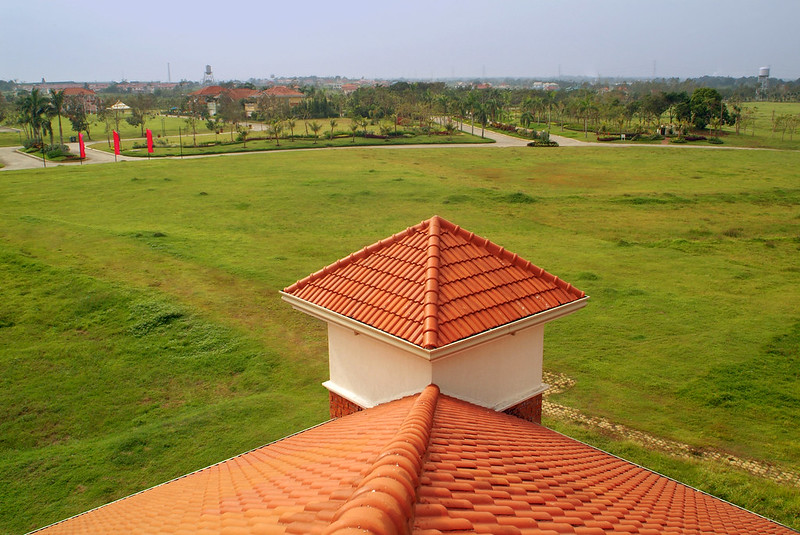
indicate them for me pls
(142, 335)
(174, 148)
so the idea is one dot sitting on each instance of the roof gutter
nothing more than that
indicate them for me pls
(357, 327)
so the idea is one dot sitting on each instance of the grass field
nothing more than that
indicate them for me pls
(142, 335)
(756, 134)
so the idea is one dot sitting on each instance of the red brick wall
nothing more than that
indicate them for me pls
(530, 409)
(341, 406)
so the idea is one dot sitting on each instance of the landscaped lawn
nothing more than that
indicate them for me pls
(142, 335)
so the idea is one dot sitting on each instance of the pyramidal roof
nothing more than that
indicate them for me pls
(434, 284)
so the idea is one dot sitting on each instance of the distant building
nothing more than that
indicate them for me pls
(79, 96)
(212, 93)
(290, 96)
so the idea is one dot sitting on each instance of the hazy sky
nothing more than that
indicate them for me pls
(88, 40)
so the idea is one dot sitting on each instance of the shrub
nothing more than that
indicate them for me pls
(55, 151)
(677, 140)
(607, 138)
(715, 141)
(694, 138)
(538, 143)
(32, 144)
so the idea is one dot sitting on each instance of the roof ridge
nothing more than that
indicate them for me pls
(430, 325)
(384, 500)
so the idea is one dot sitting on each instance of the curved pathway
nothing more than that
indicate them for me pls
(14, 160)
(559, 382)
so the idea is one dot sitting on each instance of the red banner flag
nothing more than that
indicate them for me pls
(116, 142)
(82, 146)
(149, 141)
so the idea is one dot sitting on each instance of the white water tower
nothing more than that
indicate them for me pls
(208, 76)
(763, 83)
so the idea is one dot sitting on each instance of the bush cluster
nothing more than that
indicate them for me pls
(55, 151)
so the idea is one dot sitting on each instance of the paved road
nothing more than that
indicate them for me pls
(14, 160)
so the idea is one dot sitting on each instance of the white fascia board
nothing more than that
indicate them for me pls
(450, 349)
(357, 327)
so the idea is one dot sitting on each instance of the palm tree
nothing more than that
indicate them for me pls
(585, 107)
(57, 100)
(480, 111)
(276, 127)
(354, 123)
(315, 127)
(33, 109)
(333, 123)
(291, 124)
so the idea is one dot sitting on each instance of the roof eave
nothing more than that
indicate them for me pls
(450, 349)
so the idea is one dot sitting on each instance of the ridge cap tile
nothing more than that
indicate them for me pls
(438, 263)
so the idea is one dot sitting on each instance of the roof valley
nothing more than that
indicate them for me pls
(384, 501)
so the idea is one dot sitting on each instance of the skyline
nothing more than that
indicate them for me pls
(414, 40)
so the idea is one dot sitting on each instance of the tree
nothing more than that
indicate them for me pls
(230, 111)
(33, 111)
(450, 127)
(140, 111)
(213, 124)
(354, 123)
(276, 127)
(57, 101)
(654, 106)
(481, 113)
(290, 122)
(705, 104)
(585, 107)
(333, 123)
(315, 127)
(3, 108)
(196, 110)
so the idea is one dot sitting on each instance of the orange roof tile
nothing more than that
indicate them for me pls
(282, 91)
(427, 464)
(237, 93)
(211, 90)
(433, 284)
(77, 91)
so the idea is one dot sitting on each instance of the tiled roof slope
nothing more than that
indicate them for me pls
(433, 284)
(282, 91)
(427, 465)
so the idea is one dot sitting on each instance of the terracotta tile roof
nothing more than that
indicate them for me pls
(433, 284)
(282, 91)
(242, 92)
(428, 464)
(77, 91)
(211, 90)
(215, 91)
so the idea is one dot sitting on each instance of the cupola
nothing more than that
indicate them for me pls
(435, 304)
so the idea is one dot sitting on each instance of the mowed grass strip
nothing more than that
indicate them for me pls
(161, 270)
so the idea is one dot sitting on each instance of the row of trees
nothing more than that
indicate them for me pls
(635, 107)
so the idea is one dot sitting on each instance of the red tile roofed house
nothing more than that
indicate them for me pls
(78, 96)
(211, 94)
(291, 97)
(428, 463)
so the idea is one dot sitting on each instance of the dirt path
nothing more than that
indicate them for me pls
(560, 382)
